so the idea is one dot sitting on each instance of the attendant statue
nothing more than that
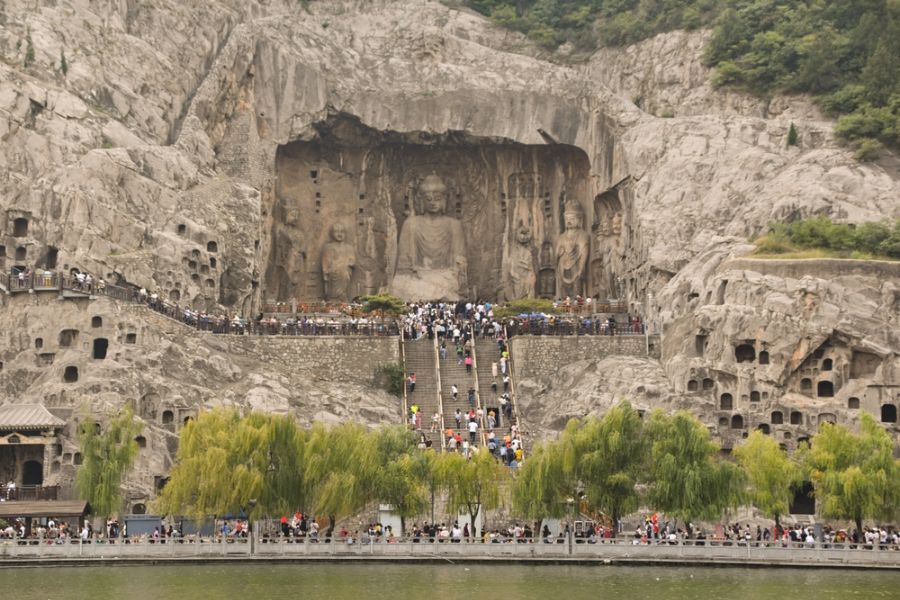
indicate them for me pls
(519, 275)
(431, 253)
(571, 253)
(338, 262)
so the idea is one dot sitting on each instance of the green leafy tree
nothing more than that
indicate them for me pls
(472, 485)
(524, 305)
(546, 482)
(686, 478)
(228, 463)
(106, 458)
(772, 477)
(855, 476)
(793, 137)
(404, 482)
(612, 454)
(384, 304)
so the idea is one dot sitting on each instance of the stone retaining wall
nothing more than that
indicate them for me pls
(542, 356)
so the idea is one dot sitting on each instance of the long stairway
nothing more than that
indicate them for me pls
(420, 359)
(454, 373)
(488, 352)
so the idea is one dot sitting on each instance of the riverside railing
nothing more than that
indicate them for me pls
(613, 550)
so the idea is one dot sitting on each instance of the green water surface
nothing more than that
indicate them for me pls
(440, 582)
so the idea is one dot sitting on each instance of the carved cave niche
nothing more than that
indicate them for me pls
(796, 418)
(888, 413)
(368, 181)
(826, 418)
(20, 227)
(606, 239)
(863, 365)
(744, 353)
(726, 402)
(764, 357)
(853, 403)
(692, 385)
(708, 384)
(777, 417)
(825, 389)
(764, 427)
(737, 422)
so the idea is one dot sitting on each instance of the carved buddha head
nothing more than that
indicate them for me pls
(523, 234)
(573, 215)
(434, 195)
(338, 233)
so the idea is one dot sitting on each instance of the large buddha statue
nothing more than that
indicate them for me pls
(431, 253)
(338, 262)
(571, 253)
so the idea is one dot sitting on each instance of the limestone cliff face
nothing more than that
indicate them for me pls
(204, 150)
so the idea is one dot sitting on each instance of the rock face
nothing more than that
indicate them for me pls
(208, 149)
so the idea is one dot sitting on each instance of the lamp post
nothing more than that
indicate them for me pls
(252, 504)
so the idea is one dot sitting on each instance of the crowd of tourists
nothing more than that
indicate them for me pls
(454, 327)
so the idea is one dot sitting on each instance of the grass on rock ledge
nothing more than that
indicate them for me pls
(822, 238)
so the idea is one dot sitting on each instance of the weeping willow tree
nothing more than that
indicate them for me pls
(612, 455)
(854, 476)
(686, 479)
(772, 476)
(106, 458)
(472, 485)
(229, 463)
(546, 482)
(543, 484)
(404, 474)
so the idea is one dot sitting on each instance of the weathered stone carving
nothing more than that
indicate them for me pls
(547, 274)
(571, 252)
(519, 276)
(338, 262)
(431, 253)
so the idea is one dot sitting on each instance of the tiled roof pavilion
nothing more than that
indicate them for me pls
(27, 417)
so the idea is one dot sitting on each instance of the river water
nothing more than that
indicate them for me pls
(440, 582)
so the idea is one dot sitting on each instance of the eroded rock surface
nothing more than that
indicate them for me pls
(206, 150)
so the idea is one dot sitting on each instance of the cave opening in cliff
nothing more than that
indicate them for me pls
(357, 211)
(20, 227)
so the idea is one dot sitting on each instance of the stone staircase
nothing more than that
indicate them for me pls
(420, 358)
(451, 373)
(487, 352)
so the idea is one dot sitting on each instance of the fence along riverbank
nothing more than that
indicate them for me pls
(564, 550)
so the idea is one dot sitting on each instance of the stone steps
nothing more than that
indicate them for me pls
(487, 352)
(420, 359)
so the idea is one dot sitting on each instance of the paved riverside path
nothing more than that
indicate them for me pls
(619, 551)
(420, 359)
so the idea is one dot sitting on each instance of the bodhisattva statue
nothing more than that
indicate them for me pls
(518, 263)
(431, 253)
(571, 253)
(338, 262)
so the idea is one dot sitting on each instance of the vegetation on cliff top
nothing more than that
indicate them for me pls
(822, 238)
(845, 53)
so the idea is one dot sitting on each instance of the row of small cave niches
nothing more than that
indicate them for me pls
(68, 338)
(795, 417)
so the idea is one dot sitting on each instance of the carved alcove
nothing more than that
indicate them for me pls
(607, 243)
(347, 193)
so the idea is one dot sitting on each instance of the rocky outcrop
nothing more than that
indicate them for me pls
(205, 150)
